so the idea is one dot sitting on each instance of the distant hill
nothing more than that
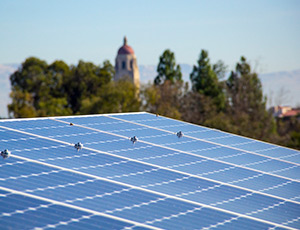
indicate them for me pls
(281, 88)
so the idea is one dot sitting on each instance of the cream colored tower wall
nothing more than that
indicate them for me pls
(129, 68)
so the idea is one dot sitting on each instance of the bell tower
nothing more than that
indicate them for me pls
(126, 64)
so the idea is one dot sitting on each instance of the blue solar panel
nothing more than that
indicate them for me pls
(205, 179)
(23, 212)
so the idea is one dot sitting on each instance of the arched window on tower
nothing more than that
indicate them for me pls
(123, 65)
(131, 64)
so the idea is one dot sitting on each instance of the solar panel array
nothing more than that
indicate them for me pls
(206, 179)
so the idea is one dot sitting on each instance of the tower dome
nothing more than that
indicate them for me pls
(125, 49)
(126, 65)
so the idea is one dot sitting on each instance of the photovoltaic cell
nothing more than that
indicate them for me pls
(206, 179)
(23, 212)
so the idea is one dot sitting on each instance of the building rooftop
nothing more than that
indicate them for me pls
(125, 49)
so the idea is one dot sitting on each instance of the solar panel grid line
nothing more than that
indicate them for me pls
(65, 135)
(291, 155)
(243, 143)
(173, 149)
(187, 177)
(65, 222)
(244, 196)
(194, 138)
(215, 138)
(41, 189)
(254, 191)
(137, 205)
(220, 223)
(25, 210)
(31, 175)
(38, 128)
(287, 222)
(60, 186)
(102, 195)
(191, 151)
(77, 208)
(160, 135)
(19, 139)
(185, 122)
(174, 215)
(67, 157)
(243, 153)
(213, 159)
(155, 165)
(49, 147)
(212, 129)
(216, 208)
(37, 136)
(161, 194)
(166, 182)
(127, 149)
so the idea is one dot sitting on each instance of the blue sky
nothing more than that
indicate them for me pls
(266, 32)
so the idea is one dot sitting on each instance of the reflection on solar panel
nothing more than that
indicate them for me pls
(173, 175)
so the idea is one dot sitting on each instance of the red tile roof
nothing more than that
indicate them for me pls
(291, 113)
(125, 49)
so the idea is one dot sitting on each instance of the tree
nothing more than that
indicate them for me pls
(247, 103)
(220, 69)
(245, 89)
(164, 99)
(167, 69)
(39, 89)
(197, 108)
(36, 86)
(114, 97)
(205, 81)
(85, 80)
(30, 78)
(57, 72)
(22, 104)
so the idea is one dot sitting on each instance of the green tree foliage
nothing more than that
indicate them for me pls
(120, 96)
(200, 109)
(197, 108)
(289, 131)
(236, 105)
(39, 89)
(295, 140)
(247, 103)
(85, 80)
(205, 80)
(167, 69)
(36, 86)
(164, 99)
(220, 69)
(22, 104)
